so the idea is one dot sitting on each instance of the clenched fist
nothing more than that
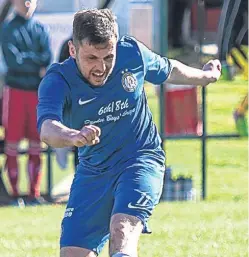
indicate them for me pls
(213, 69)
(88, 135)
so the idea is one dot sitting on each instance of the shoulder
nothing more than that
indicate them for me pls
(65, 71)
(128, 51)
(131, 44)
(65, 68)
(52, 76)
(128, 44)
(55, 72)
(53, 82)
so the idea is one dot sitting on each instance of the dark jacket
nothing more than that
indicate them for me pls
(26, 49)
(64, 51)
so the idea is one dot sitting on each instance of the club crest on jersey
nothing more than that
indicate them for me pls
(129, 82)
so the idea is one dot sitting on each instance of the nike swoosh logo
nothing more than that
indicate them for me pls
(86, 101)
(131, 206)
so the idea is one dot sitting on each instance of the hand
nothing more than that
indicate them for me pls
(88, 135)
(213, 71)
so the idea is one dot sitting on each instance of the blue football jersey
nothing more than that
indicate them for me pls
(119, 107)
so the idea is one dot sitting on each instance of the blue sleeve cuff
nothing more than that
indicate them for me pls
(46, 117)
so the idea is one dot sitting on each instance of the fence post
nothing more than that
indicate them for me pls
(49, 167)
(204, 145)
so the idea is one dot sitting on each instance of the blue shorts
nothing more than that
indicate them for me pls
(135, 190)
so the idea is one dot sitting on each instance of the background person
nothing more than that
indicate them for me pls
(26, 51)
(233, 43)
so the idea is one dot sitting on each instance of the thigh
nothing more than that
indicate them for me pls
(76, 252)
(138, 190)
(31, 104)
(14, 115)
(87, 216)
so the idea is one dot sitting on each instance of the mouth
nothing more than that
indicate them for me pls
(98, 75)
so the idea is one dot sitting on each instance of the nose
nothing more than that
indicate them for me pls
(101, 66)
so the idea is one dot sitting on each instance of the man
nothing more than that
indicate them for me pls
(96, 101)
(233, 33)
(26, 50)
(233, 42)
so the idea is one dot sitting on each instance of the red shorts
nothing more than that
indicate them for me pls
(19, 114)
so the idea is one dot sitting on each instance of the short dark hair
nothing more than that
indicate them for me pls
(96, 26)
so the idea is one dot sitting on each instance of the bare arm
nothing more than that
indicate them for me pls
(183, 74)
(57, 135)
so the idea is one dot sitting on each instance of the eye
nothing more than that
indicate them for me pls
(92, 58)
(109, 58)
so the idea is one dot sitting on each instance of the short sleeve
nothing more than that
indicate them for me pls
(53, 95)
(157, 68)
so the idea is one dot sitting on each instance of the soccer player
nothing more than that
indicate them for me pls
(26, 50)
(96, 101)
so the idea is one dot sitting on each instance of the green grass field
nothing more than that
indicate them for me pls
(217, 227)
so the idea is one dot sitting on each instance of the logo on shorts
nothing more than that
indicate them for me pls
(129, 81)
(62, 231)
(142, 202)
(68, 212)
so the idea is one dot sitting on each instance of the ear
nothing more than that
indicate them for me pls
(27, 4)
(72, 49)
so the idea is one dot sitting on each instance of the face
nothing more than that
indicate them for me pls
(25, 8)
(95, 62)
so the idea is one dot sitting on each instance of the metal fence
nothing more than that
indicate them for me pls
(205, 136)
